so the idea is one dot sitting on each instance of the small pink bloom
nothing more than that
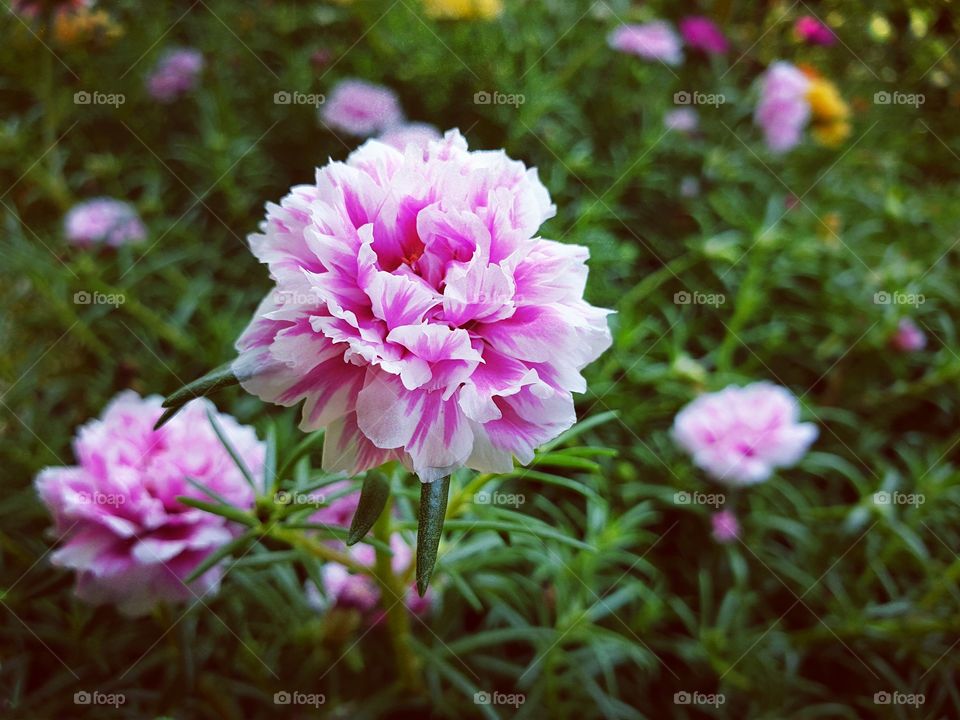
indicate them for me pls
(783, 110)
(103, 220)
(652, 41)
(812, 31)
(689, 186)
(417, 134)
(31, 9)
(682, 119)
(909, 337)
(701, 33)
(741, 434)
(175, 74)
(361, 108)
(423, 317)
(726, 527)
(123, 530)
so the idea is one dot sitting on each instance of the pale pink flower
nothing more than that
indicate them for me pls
(103, 220)
(741, 434)
(702, 33)
(726, 527)
(812, 31)
(783, 110)
(417, 134)
(426, 321)
(682, 120)
(175, 74)
(31, 9)
(122, 529)
(690, 186)
(909, 337)
(361, 108)
(652, 41)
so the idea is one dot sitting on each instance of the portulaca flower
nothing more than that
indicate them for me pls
(123, 531)
(741, 434)
(104, 221)
(418, 315)
(361, 108)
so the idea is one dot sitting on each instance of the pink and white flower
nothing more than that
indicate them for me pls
(175, 74)
(784, 109)
(655, 40)
(103, 220)
(741, 434)
(123, 531)
(426, 321)
(909, 337)
(361, 108)
(682, 120)
(417, 134)
(725, 527)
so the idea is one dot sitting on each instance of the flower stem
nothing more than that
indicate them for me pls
(392, 595)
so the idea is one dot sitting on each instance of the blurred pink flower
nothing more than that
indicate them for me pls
(103, 220)
(32, 9)
(909, 337)
(652, 41)
(416, 134)
(783, 110)
(682, 119)
(125, 534)
(361, 108)
(175, 74)
(741, 434)
(701, 33)
(418, 314)
(812, 31)
(726, 527)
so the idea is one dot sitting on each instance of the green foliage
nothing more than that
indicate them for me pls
(598, 594)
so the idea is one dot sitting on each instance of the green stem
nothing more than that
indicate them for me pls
(297, 539)
(392, 594)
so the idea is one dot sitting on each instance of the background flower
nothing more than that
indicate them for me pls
(175, 74)
(783, 110)
(701, 33)
(810, 30)
(361, 108)
(123, 531)
(103, 220)
(652, 41)
(741, 434)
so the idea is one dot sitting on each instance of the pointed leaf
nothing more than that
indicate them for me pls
(373, 498)
(228, 446)
(227, 511)
(433, 508)
(219, 554)
(214, 380)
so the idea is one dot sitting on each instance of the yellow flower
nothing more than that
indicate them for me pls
(464, 9)
(83, 26)
(831, 125)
